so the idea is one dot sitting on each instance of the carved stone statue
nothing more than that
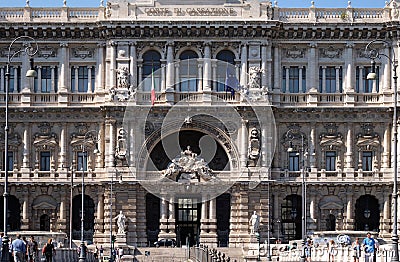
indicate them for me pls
(121, 222)
(254, 222)
(255, 77)
(188, 167)
(123, 77)
(254, 147)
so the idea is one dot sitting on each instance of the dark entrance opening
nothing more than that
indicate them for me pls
(367, 213)
(44, 223)
(291, 218)
(152, 218)
(223, 213)
(187, 214)
(88, 217)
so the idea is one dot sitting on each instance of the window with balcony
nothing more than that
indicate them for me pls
(45, 161)
(363, 85)
(330, 79)
(82, 79)
(46, 80)
(294, 79)
(222, 69)
(330, 160)
(294, 161)
(10, 161)
(367, 160)
(82, 161)
(151, 74)
(15, 80)
(188, 71)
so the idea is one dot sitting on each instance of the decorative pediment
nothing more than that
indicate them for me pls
(44, 205)
(368, 139)
(45, 142)
(331, 206)
(294, 138)
(332, 138)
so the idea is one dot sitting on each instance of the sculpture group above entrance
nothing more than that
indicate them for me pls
(188, 168)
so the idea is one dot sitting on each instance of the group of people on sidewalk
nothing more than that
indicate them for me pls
(22, 250)
(369, 245)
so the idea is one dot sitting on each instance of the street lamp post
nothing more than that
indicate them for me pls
(291, 136)
(373, 54)
(90, 136)
(29, 50)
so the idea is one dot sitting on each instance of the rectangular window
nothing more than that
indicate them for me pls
(366, 85)
(82, 161)
(294, 79)
(14, 79)
(330, 160)
(367, 160)
(45, 161)
(45, 73)
(294, 161)
(10, 162)
(80, 79)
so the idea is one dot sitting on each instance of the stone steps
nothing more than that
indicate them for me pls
(161, 254)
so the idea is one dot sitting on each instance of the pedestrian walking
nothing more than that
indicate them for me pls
(18, 249)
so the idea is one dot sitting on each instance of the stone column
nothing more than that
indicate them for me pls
(277, 70)
(52, 82)
(243, 142)
(100, 67)
(312, 147)
(133, 64)
(89, 90)
(204, 217)
(163, 218)
(361, 81)
(243, 59)
(386, 146)
(324, 79)
(349, 223)
(26, 149)
(113, 63)
(349, 150)
(287, 86)
(64, 67)
(337, 79)
(170, 67)
(301, 81)
(25, 219)
(2, 76)
(312, 75)
(265, 65)
(63, 141)
(207, 67)
(100, 212)
(212, 227)
(111, 146)
(348, 64)
(76, 80)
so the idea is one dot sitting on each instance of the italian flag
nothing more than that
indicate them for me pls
(153, 90)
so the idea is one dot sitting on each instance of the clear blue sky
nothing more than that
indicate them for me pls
(281, 3)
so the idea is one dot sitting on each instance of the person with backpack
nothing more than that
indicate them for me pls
(49, 250)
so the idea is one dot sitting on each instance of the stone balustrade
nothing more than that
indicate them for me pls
(290, 15)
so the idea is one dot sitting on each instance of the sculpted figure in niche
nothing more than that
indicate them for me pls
(254, 147)
(121, 222)
(123, 77)
(254, 77)
(254, 222)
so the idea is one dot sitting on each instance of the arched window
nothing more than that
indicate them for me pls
(222, 69)
(188, 71)
(151, 65)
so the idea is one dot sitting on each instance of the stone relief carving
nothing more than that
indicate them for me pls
(254, 147)
(294, 52)
(121, 149)
(188, 168)
(368, 139)
(46, 52)
(331, 139)
(82, 52)
(331, 52)
(123, 90)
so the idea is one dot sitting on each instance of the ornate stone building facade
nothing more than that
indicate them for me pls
(304, 109)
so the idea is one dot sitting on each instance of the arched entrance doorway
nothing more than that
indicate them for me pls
(367, 213)
(88, 217)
